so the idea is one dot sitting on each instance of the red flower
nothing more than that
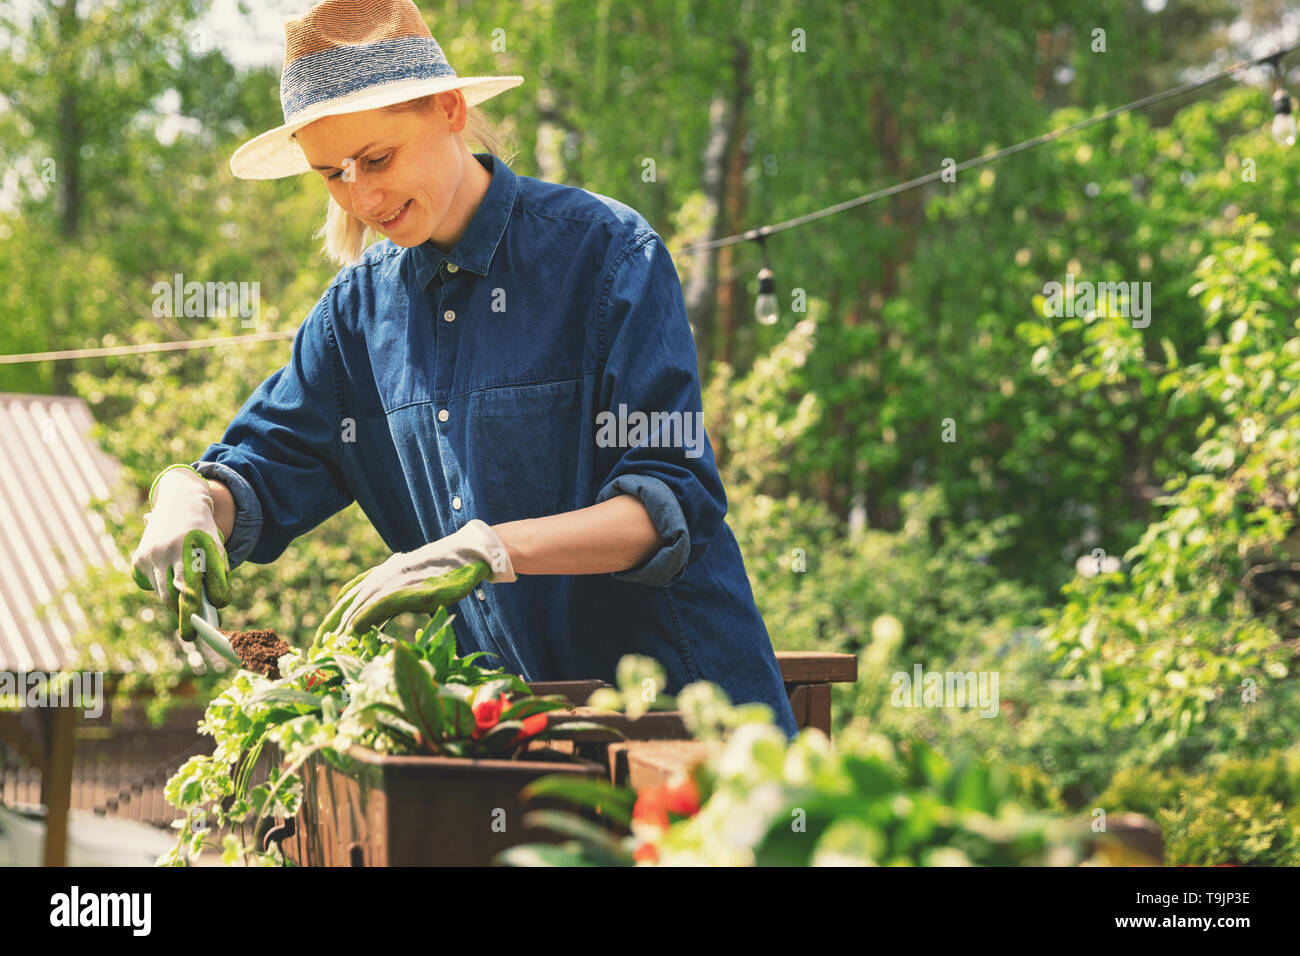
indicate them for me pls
(532, 725)
(654, 804)
(683, 799)
(318, 677)
(646, 853)
(652, 807)
(486, 715)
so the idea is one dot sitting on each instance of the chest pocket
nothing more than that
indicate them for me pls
(529, 448)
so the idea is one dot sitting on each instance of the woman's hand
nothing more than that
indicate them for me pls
(182, 550)
(436, 575)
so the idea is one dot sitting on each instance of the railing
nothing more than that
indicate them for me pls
(120, 766)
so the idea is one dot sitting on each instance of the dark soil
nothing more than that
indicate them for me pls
(259, 650)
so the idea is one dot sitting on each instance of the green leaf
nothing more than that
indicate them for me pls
(384, 707)
(490, 690)
(534, 705)
(285, 695)
(437, 621)
(421, 700)
(519, 684)
(1034, 333)
(1171, 353)
(442, 650)
(614, 802)
(543, 854)
(457, 716)
(596, 842)
(501, 738)
(309, 668)
(350, 666)
(589, 731)
(403, 737)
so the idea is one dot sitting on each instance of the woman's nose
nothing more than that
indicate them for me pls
(365, 197)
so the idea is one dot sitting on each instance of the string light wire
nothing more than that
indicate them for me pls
(987, 158)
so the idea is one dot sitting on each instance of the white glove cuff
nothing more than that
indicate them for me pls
(168, 479)
(481, 543)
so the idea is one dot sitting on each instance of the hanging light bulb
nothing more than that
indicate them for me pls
(1284, 126)
(766, 308)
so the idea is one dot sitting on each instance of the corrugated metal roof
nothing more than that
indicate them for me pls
(50, 470)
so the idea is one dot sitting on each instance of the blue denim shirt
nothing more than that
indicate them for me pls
(437, 388)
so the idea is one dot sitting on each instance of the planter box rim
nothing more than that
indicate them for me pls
(375, 758)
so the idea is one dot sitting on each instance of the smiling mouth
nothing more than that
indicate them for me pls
(395, 216)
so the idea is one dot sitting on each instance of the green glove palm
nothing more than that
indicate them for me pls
(434, 576)
(426, 597)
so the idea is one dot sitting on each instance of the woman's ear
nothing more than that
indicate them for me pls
(455, 109)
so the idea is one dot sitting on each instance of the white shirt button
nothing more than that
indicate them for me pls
(443, 415)
(449, 315)
(452, 267)
(455, 503)
(480, 595)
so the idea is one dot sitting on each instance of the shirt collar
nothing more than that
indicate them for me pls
(479, 243)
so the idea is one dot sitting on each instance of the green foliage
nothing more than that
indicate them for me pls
(1243, 811)
(1047, 734)
(1211, 828)
(370, 690)
(768, 801)
(818, 587)
(1174, 641)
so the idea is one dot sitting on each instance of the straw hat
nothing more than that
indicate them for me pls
(345, 56)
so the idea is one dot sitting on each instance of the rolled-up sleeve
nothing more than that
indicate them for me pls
(649, 378)
(279, 456)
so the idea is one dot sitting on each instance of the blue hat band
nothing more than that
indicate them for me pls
(342, 71)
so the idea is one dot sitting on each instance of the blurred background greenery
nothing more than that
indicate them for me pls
(1165, 685)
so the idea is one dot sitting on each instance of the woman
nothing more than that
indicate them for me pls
(506, 384)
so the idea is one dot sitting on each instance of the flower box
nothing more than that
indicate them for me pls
(415, 810)
(449, 811)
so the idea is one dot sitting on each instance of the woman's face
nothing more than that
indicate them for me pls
(398, 172)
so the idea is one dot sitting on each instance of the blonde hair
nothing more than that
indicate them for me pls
(346, 236)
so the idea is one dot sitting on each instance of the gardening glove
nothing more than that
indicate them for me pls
(434, 576)
(182, 549)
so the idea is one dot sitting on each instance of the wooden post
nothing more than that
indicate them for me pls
(56, 782)
(808, 676)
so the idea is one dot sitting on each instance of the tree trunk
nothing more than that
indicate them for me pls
(702, 287)
(69, 133)
(729, 291)
(550, 138)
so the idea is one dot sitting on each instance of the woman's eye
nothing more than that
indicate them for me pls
(373, 162)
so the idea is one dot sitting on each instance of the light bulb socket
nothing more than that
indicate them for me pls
(1281, 103)
(766, 284)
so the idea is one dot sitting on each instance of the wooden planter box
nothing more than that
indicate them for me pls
(414, 811)
(444, 811)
